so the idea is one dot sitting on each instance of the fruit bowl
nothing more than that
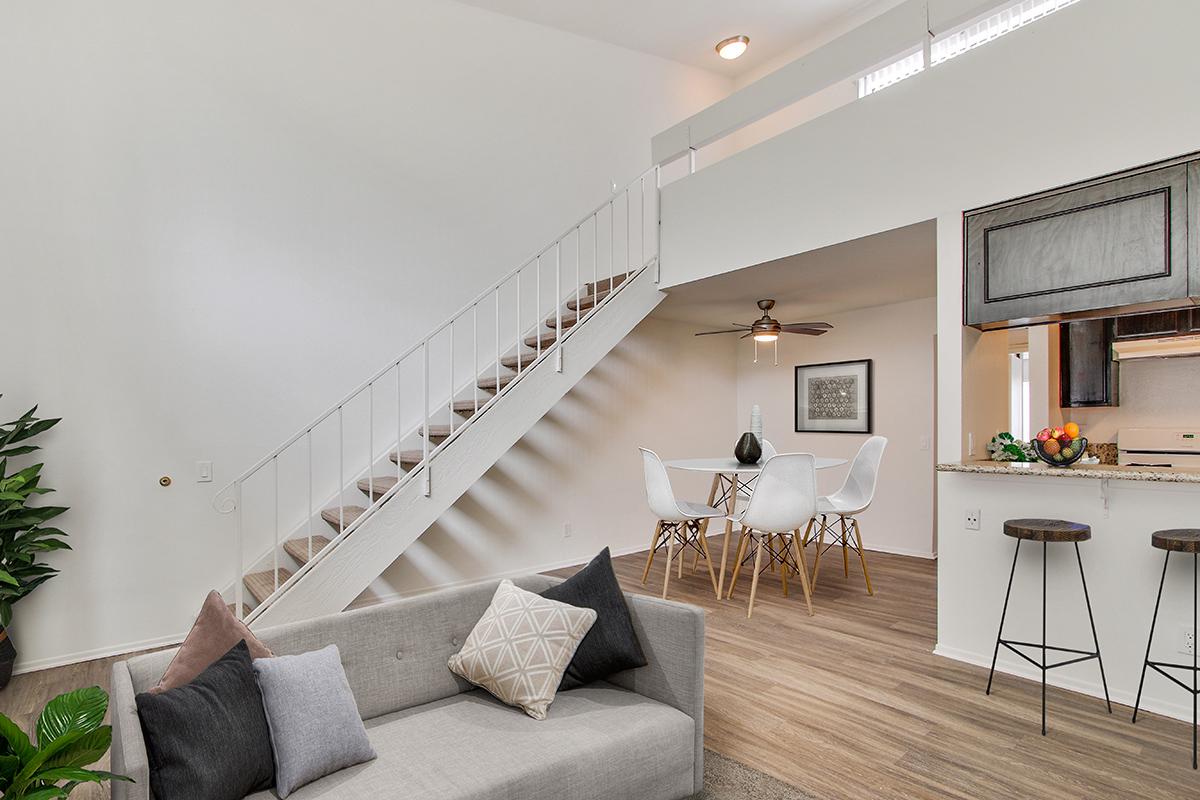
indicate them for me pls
(1057, 456)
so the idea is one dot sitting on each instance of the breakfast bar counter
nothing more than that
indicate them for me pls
(1094, 471)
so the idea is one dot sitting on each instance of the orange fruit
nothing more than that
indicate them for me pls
(1072, 430)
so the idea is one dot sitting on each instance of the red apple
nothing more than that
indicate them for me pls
(1064, 439)
(1043, 434)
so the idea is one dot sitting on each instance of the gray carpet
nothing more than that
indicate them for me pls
(726, 779)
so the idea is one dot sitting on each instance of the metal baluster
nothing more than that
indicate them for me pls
(238, 582)
(612, 241)
(628, 227)
(558, 366)
(518, 327)
(275, 549)
(497, 295)
(537, 306)
(399, 425)
(450, 404)
(642, 211)
(341, 484)
(578, 247)
(308, 436)
(475, 356)
(595, 259)
(370, 444)
(425, 438)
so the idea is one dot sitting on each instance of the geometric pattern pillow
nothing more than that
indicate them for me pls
(521, 646)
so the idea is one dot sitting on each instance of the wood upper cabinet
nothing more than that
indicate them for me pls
(1087, 373)
(1103, 244)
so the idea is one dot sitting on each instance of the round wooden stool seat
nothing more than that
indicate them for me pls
(1180, 540)
(1047, 530)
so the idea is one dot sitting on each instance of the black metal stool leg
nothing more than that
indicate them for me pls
(1091, 619)
(1153, 622)
(1003, 613)
(1043, 638)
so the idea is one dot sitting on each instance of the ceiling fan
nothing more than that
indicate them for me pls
(767, 328)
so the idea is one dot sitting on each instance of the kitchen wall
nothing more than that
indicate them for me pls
(899, 338)
(217, 218)
(1154, 393)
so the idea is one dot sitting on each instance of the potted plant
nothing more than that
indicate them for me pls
(23, 539)
(68, 737)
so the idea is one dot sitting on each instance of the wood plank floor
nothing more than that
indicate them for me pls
(851, 703)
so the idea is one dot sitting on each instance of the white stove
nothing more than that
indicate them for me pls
(1159, 447)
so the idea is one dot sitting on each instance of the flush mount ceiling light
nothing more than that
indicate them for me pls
(731, 48)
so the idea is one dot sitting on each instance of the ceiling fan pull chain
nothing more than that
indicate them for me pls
(756, 351)
(777, 352)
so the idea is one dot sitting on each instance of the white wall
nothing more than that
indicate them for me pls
(217, 218)
(1154, 393)
(660, 388)
(900, 340)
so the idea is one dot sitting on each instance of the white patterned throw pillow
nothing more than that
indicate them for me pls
(521, 646)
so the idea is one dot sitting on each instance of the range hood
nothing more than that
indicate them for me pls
(1167, 347)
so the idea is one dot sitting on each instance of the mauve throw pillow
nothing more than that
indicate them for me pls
(209, 740)
(315, 726)
(215, 630)
(612, 644)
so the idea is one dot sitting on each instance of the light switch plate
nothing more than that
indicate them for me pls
(204, 472)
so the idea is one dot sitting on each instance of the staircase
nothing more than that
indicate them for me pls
(315, 526)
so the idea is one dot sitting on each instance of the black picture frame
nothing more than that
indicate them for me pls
(863, 365)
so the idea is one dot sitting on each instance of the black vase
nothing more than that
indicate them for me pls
(8, 654)
(747, 450)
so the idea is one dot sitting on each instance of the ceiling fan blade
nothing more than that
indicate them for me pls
(824, 325)
(804, 331)
(710, 333)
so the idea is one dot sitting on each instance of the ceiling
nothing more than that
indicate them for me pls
(889, 267)
(687, 31)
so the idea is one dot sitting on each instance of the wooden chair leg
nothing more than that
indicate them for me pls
(862, 556)
(759, 544)
(845, 550)
(670, 557)
(708, 562)
(802, 567)
(738, 556)
(681, 534)
(783, 567)
(817, 560)
(653, 549)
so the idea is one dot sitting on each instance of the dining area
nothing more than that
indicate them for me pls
(773, 505)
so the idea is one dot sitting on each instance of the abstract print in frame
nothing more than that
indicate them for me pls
(834, 397)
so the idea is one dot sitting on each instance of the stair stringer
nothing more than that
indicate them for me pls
(342, 574)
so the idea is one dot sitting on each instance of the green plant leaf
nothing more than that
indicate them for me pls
(9, 579)
(81, 710)
(9, 764)
(51, 793)
(86, 749)
(18, 743)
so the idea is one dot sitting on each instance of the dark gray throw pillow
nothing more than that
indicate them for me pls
(612, 644)
(208, 739)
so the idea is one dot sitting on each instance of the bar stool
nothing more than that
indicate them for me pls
(1046, 531)
(1180, 540)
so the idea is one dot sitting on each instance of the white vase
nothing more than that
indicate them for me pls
(756, 423)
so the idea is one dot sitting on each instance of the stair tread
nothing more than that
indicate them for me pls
(262, 584)
(490, 384)
(378, 483)
(298, 548)
(546, 339)
(569, 318)
(436, 431)
(466, 407)
(510, 361)
(233, 610)
(587, 301)
(407, 458)
(335, 514)
(606, 284)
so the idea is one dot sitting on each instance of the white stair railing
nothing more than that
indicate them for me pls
(279, 493)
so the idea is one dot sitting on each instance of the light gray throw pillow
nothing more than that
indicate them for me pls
(314, 721)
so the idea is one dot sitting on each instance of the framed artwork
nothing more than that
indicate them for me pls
(834, 397)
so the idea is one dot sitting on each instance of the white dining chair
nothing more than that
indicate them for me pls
(846, 504)
(783, 503)
(680, 523)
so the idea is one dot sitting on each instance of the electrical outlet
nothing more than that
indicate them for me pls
(972, 520)
(1187, 640)
(566, 530)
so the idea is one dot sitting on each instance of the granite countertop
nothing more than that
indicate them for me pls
(1094, 471)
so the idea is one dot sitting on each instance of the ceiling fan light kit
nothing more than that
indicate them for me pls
(767, 329)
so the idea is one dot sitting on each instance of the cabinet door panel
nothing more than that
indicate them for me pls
(1087, 373)
(1119, 242)
(1194, 229)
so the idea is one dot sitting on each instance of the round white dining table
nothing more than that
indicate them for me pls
(730, 475)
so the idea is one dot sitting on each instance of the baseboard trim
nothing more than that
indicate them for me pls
(1091, 688)
(82, 656)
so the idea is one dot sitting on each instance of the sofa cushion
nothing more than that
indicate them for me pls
(521, 646)
(208, 740)
(215, 630)
(597, 742)
(315, 726)
(611, 645)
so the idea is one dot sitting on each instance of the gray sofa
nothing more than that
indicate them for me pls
(637, 736)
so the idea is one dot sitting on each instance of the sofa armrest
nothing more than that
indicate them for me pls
(672, 637)
(128, 748)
